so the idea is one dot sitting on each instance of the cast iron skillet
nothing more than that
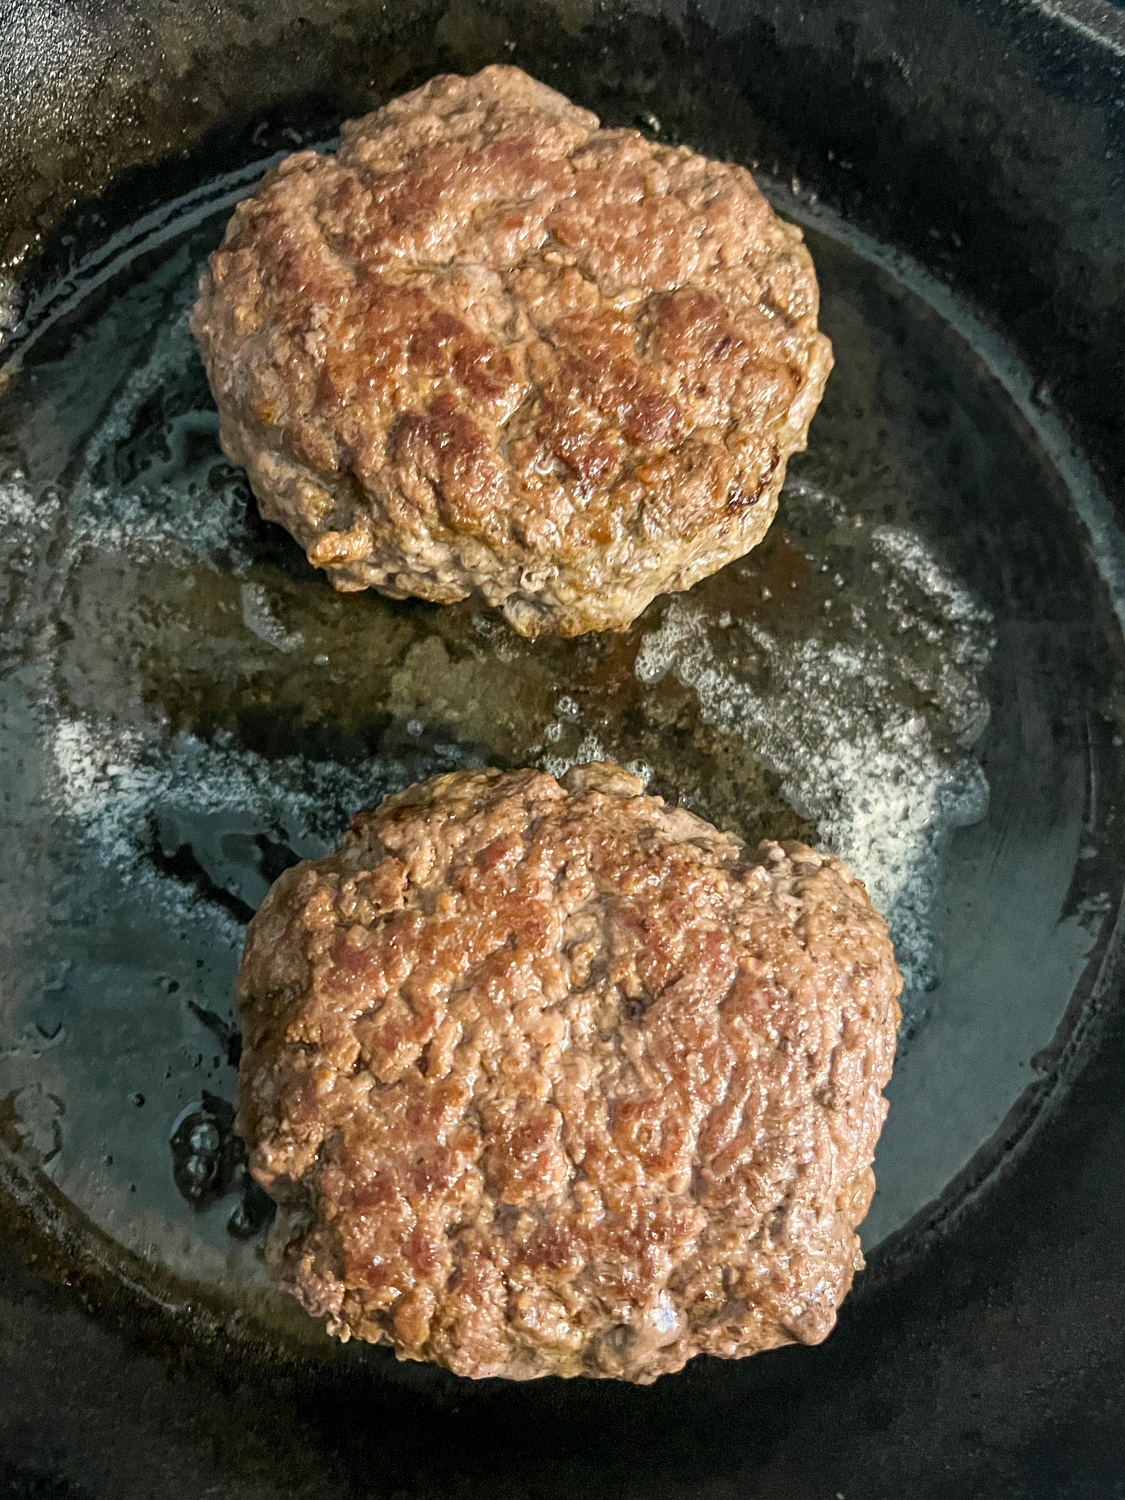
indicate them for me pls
(984, 1351)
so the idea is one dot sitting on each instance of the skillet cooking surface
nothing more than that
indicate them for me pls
(906, 669)
(920, 667)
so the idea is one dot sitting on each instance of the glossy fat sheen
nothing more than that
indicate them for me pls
(490, 349)
(550, 1078)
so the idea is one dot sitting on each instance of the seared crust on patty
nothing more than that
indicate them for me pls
(491, 349)
(552, 1078)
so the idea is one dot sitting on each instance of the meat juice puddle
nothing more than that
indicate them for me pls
(188, 708)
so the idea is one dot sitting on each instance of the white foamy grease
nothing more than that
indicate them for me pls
(866, 722)
(261, 621)
(129, 798)
(868, 741)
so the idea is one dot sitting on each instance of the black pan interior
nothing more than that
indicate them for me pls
(951, 135)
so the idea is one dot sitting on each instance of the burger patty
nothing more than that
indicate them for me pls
(551, 1078)
(490, 349)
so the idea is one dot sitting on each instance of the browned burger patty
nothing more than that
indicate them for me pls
(489, 349)
(550, 1078)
